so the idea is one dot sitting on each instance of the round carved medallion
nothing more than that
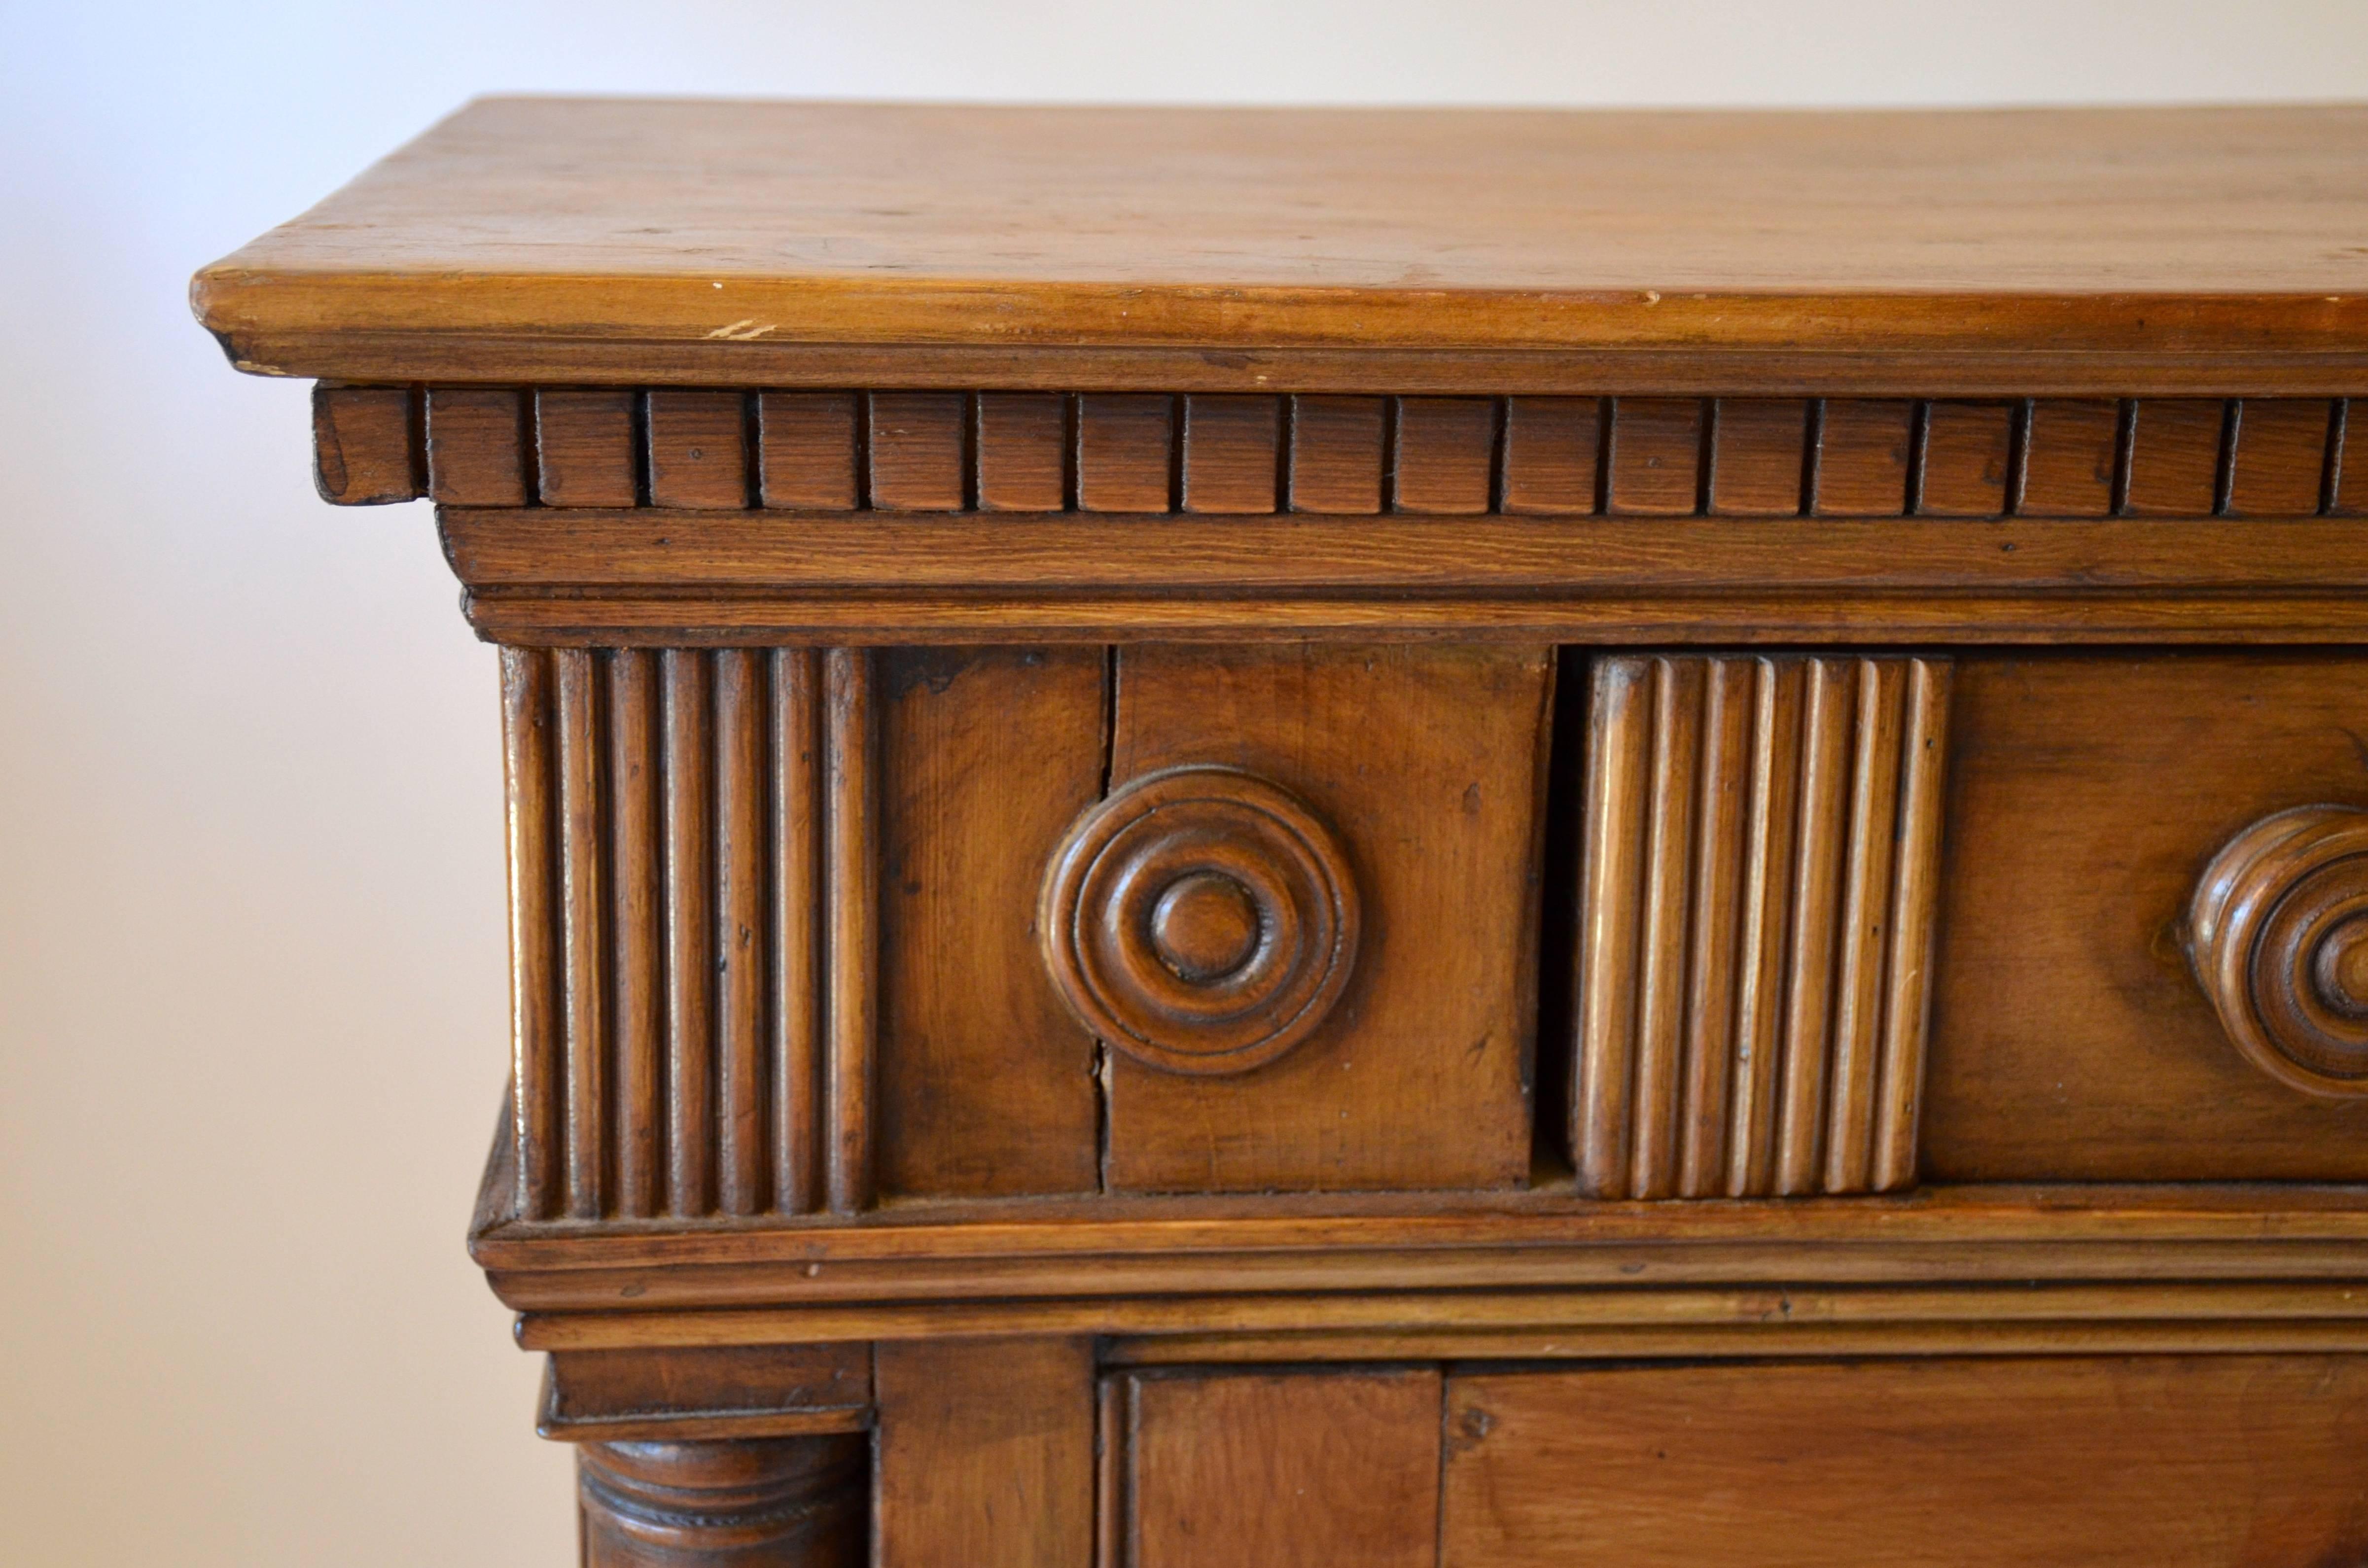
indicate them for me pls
(1202, 920)
(2279, 929)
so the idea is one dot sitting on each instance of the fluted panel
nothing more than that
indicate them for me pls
(691, 852)
(1761, 865)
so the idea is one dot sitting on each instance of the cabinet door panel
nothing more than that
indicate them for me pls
(2147, 1462)
(1228, 1471)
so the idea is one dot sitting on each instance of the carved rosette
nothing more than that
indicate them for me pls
(2279, 939)
(1202, 920)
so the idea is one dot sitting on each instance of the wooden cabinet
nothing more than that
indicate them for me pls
(1404, 839)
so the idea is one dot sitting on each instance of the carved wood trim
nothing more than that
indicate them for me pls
(755, 1503)
(1137, 452)
(1759, 877)
(692, 889)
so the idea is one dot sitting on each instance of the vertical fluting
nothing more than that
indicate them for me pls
(1915, 899)
(1770, 824)
(689, 797)
(583, 901)
(796, 1043)
(741, 852)
(1817, 913)
(1619, 734)
(1721, 815)
(1865, 926)
(1661, 968)
(534, 1002)
(852, 885)
(637, 934)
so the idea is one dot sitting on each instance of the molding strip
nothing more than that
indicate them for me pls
(1138, 452)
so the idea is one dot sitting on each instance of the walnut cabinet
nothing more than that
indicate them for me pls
(1367, 836)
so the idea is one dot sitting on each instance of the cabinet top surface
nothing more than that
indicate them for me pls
(2231, 230)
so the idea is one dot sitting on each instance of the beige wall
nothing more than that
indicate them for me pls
(251, 948)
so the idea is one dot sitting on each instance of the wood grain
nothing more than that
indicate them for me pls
(698, 449)
(1442, 454)
(582, 957)
(985, 1453)
(1962, 469)
(477, 449)
(637, 932)
(583, 447)
(1021, 448)
(1655, 457)
(1440, 821)
(1862, 458)
(1232, 452)
(807, 446)
(1758, 453)
(1096, 1248)
(2153, 1460)
(751, 1391)
(2087, 794)
(851, 912)
(1336, 451)
(604, 227)
(528, 787)
(366, 446)
(752, 1502)
(1273, 1468)
(1714, 581)
(917, 445)
(1755, 918)
(986, 1083)
(795, 1045)
(1553, 452)
(2172, 466)
(2278, 457)
(2071, 455)
(1125, 452)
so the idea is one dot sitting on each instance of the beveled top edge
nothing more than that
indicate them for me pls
(622, 226)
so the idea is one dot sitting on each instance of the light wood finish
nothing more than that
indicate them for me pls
(986, 1454)
(1424, 762)
(1274, 1468)
(2153, 1461)
(986, 1084)
(2088, 794)
(1757, 881)
(1381, 836)
(613, 227)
